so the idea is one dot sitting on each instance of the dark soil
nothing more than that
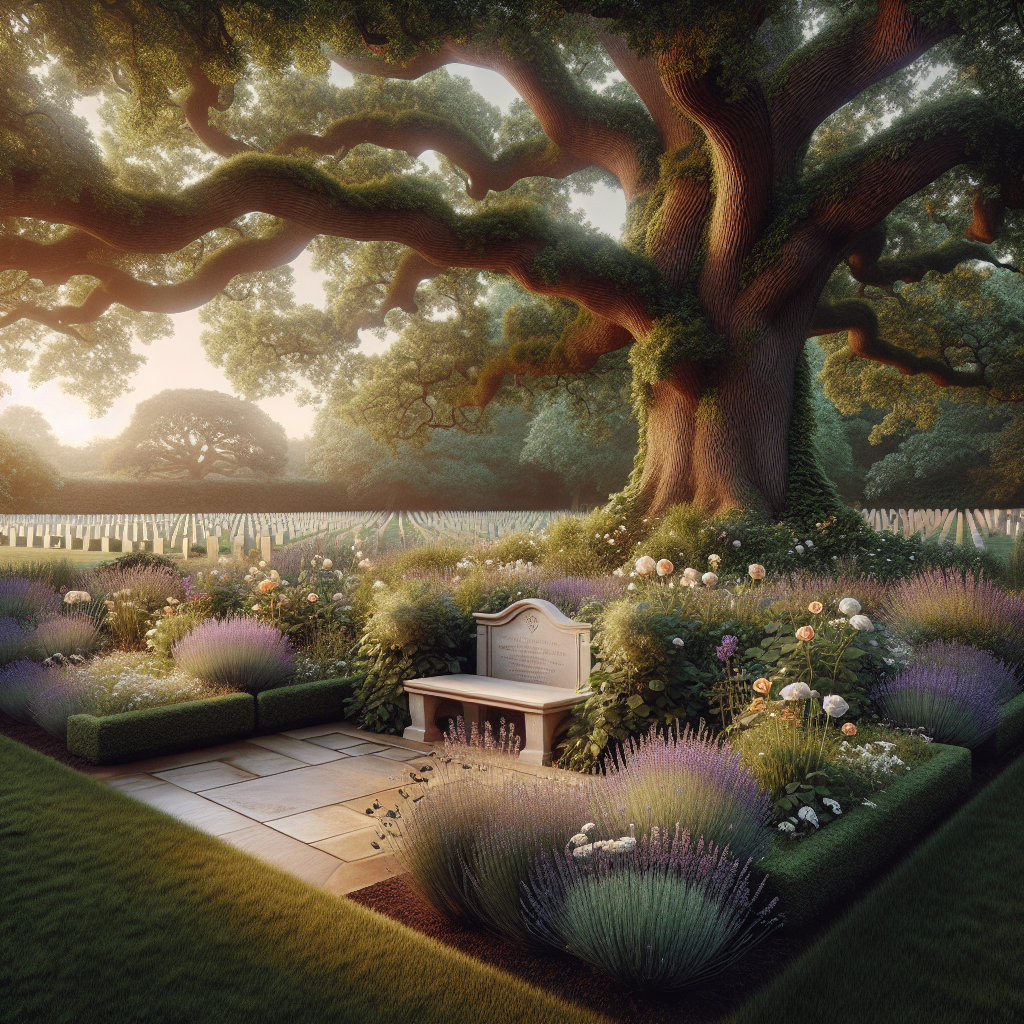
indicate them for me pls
(562, 975)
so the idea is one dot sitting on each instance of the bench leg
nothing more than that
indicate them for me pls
(540, 731)
(423, 708)
(473, 714)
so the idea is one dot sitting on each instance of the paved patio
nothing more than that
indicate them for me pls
(296, 799)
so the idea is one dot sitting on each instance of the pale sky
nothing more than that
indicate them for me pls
(180, 362)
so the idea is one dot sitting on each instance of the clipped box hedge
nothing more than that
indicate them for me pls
(811, 875)
(1011, 726)
(291, 707)
(132, 735)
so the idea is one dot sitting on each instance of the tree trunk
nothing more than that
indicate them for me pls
(718, 437)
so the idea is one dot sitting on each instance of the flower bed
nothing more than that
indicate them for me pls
(810, 875)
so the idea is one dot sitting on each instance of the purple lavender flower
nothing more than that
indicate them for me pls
(570, 593)
(951, 707)
(690, 780)
(236, 651)
(20, 682)
(970, 661)
(13, 641)
(66, 634)
(27, 600)
(728, 648)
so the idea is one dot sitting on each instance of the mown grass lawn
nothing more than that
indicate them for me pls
(113, 913)
(939, 941)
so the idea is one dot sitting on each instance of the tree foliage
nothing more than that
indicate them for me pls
(193, 433)
(759, 146)
(26, 479)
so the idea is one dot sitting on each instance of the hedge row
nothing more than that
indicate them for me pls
(86, 496)
(1010, 732)
(133, 735)
(811, 875)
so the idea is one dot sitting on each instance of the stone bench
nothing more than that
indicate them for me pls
(530, 658)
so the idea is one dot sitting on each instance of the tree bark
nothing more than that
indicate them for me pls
(718, 437)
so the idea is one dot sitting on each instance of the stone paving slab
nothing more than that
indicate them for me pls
(192, 809)
(278, 796)
(336, 741)
(360, 874)
(320, 823)
(131, 784)
(351, 846)
(298, 749)
(166, 761)
(364, 748)
(206, 775)
(297, 858)
(260, 761)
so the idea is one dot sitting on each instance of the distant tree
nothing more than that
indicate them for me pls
(193, 433)
(26, 479)
(451, 470)
(590, 466)
(29, 426)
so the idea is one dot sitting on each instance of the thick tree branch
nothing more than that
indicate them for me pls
(117, 286)
(593, 129)
(602, 277)
(412, 271)
(859, 320)
(833, 69)
(739, 134)
(415, 133)
(196, 106)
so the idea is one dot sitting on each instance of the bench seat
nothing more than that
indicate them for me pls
(544, 707)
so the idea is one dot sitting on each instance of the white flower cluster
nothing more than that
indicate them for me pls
(585, 849)
(876, 761)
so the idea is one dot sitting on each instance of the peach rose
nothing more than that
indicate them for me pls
(755, 571)
(664, 567)
(815, 607)
(645, 565)
(805, 633)
(849, 729)
(763, 685)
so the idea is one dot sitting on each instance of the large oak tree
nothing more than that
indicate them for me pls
(730, 127)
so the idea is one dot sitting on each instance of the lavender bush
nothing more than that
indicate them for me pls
(970, 661)
(943, 605)
(14, 641)
(661, 913)
(19, 683)
(27, 600)
(55, 700)
(952, 707)
(570, 593)
(690, 780)
(76, 633)
(238, 652)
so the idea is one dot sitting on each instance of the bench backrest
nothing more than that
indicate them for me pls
(531, 641)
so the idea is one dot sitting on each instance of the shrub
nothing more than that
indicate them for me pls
(493, 589)
(951, 707)
(415, 630)
(14, 641)
(143, 559)
(52, 704)
(306, 703)
(238, 652)
(27, 600)
(169, 629)
(60, 574)
(690, 780)
(664, 914)
(1015, 571)
(132, 596)
(469, 843)
(970, 661)
(19, 683)
(75, 633)
(944, 605)
(519, 546)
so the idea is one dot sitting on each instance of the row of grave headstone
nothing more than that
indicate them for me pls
(948, 525)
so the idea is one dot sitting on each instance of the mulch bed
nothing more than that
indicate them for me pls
(562, 975)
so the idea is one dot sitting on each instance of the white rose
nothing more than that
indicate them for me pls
(849, 606)
(709, 579)
(645, 565)
(862, 623)
(834, 706)
(795, 691)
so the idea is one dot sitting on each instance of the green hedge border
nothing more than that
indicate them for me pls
(132, 735)
(811, 875)
(1010, 732)
(292, 707)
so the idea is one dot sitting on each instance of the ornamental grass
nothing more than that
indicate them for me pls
(27, 600)
(951, 706)
(75, 633)
(237, 652)
(970, 610)
(692, 781)
(14, 641)
(665, 914)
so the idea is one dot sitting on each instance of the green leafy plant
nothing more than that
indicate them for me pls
(415, 630)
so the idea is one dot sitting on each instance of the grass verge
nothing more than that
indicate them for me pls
(111, 911)
(939, 941)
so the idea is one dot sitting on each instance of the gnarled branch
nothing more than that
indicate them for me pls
(203, 95)
(859, 320)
